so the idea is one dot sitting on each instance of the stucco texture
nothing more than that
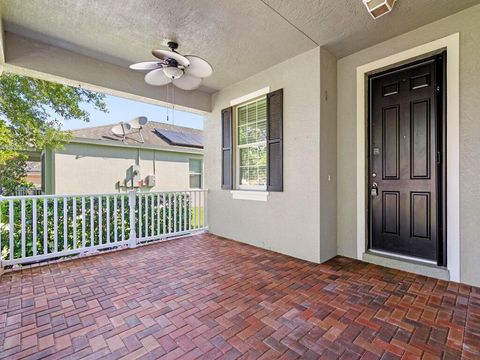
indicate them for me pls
(288, 222)
(95, 169)
(467, 23)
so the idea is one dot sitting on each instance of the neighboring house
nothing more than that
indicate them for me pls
(34, 173)
(97, 161)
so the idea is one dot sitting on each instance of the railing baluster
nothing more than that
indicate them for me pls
(139, 216)
(92, 221)
(164, 210)
(170, 227)
(174, 212)
(11, 216)
(195, 210)
(146, 214)
(185, 211)
(179, 212)
(152, 230)
(55, 225)
(190, 213)
(34, 227)
(158, 214)
(83, 223)
(115, 225)
(107, 199)
(100, 221)
(74, 223)
(65, 223)
(203, 206)
(45, 226)
(122, 207)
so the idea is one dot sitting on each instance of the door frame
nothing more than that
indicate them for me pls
(440, 113)
(450, 44)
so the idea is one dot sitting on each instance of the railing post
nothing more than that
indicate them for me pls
(1, 258)
(132, 204)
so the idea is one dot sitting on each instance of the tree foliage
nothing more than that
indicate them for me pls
(32, 112)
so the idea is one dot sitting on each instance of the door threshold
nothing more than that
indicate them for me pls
(404, 257)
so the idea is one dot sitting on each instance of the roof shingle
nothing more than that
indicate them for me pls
(151, 137)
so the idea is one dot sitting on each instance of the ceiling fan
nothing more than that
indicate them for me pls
(185, 72)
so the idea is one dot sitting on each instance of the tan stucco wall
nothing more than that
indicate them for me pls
(467, 23)
(289, 221)
(94, 169)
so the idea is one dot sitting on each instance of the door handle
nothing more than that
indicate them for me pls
(374, 189)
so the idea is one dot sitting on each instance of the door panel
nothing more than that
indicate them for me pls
(403, 166)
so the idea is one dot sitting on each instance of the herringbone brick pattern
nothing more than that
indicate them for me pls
(206, 297)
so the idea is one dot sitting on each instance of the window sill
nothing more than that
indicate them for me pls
(249, 195)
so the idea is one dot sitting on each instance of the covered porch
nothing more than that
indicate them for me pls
(209, 297)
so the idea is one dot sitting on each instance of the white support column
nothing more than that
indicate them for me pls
(131, 202)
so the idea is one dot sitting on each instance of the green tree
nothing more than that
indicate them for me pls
(31, 115)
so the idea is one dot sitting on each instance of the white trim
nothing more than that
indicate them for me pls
(250, 96)
(452, 44)
(399, 256)
(244, 146)
(249, 195)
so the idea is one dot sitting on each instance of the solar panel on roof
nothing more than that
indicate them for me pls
(180, 139)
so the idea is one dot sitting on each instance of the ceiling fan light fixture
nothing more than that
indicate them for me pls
(172, 72)
(378, 8)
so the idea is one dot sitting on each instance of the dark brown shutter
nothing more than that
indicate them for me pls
(275, 140)
(227, 154)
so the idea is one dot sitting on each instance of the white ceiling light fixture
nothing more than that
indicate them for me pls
(185, 72)
(378, 8)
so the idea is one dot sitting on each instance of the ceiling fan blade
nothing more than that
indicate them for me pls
(157, 78)
(187, 82)
(166, 54)
(146, 65)
(198, 67)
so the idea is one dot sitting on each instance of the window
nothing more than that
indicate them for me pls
(251, 145)
(195, 167)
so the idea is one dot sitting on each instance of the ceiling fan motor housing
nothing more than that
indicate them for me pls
(172, 45)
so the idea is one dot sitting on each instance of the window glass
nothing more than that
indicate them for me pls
(195, 166)
(251, 142)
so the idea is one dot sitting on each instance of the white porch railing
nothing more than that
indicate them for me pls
(36, 228)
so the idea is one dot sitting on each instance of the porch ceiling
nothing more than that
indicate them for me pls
(239, 38)
(344, 26)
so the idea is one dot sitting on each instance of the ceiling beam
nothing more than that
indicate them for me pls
(35, 59)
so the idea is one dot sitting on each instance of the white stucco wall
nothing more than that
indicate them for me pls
(467, 23)
(289, 222)
(94, 169)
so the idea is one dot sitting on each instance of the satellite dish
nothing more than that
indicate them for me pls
(122, 130)
(138, 122)
(134, 126)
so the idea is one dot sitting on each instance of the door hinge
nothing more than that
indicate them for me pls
(439, 157)
(438, 88)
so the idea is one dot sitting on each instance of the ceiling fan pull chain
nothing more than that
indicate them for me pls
(173, 105)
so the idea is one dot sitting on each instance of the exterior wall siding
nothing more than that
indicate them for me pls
(86, 168)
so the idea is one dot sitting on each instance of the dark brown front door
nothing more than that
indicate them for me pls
(405, 160)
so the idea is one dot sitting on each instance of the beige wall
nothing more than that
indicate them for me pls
(467, 23)
(94, 169)
(289, 221)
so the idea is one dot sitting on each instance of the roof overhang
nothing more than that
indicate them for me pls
(111, 143)
(39, 60)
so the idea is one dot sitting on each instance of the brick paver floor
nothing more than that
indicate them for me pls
(206, 297)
